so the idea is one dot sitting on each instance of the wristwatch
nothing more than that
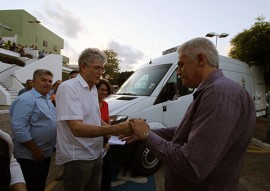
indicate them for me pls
(145, 135)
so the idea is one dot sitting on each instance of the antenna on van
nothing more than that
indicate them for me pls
(151, 55)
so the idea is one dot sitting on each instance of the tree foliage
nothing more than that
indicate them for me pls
(112, 69)
(112, 66)
(123, 76)
(253, 46)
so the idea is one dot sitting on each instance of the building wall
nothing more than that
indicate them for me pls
(29, 32)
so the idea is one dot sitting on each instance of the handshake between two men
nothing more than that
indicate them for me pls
(133, 130)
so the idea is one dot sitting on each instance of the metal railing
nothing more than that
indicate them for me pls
(12, 75)
(4, 86)
(13, 65)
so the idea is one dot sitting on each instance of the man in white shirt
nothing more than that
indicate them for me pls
(80, 129)
(11, 176)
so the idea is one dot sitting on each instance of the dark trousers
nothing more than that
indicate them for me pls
(268, 128)
(4, 166)
(35, 174)
(106, 172)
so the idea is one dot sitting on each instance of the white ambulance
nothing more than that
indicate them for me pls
(155, 92)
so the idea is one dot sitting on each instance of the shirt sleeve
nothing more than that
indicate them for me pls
(21, 112)
(165, 133)
(211, 129)
(68, 107)
(15, 172)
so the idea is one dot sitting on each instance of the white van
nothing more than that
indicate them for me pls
(155, 92)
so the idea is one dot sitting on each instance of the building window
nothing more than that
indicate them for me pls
(55, 48)
(45, 43)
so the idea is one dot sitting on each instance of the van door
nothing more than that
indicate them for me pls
(259, 89)
(176, 99)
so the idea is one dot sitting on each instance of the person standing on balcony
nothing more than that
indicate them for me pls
(41, 54)
(29, 85)
(33, 124)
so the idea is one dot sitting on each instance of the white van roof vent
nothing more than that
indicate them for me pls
(170, 50)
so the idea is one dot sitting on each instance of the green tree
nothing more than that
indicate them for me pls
(112, 66)
(123, 76)
(253, 46)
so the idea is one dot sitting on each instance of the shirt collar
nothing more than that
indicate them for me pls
(212, 77)
(37, 94)
(83, 82)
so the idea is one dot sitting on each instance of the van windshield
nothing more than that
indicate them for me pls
(144, 81)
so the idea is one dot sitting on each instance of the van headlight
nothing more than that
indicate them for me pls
(115, 119)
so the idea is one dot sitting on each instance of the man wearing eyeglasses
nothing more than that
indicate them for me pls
(80, 129)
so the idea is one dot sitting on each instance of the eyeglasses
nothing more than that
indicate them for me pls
(99, 69)
(103, 90)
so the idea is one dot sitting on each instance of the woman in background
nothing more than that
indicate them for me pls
(104, 90)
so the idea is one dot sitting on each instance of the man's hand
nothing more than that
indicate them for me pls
(123, 128)
(130, 138)
(139, 127)
(37, 153)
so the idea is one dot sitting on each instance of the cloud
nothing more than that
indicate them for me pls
(67, 24)
(130, 57)
(71, 53)
(76, 34)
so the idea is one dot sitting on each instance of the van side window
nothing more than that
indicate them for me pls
(181, 89)
(173, 89)
(143, 82)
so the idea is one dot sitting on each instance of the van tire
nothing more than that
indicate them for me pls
(145, 163)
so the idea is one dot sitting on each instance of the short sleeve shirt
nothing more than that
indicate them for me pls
(75, 101)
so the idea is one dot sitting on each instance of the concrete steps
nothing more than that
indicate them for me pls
(8, 84)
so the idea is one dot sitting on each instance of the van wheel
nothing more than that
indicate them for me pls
(145, 163)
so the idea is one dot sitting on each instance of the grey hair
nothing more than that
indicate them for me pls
(203, 46)
(90, 54)
(40, 72)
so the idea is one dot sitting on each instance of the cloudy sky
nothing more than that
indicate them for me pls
(140, 29)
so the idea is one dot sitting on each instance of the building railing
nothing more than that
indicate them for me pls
(4, 86)
(8, 68)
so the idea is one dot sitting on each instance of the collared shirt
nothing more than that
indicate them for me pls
(33, 117)
(206, 151)
(75, 101)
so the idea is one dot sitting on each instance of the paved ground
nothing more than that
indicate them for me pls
(255, 174)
